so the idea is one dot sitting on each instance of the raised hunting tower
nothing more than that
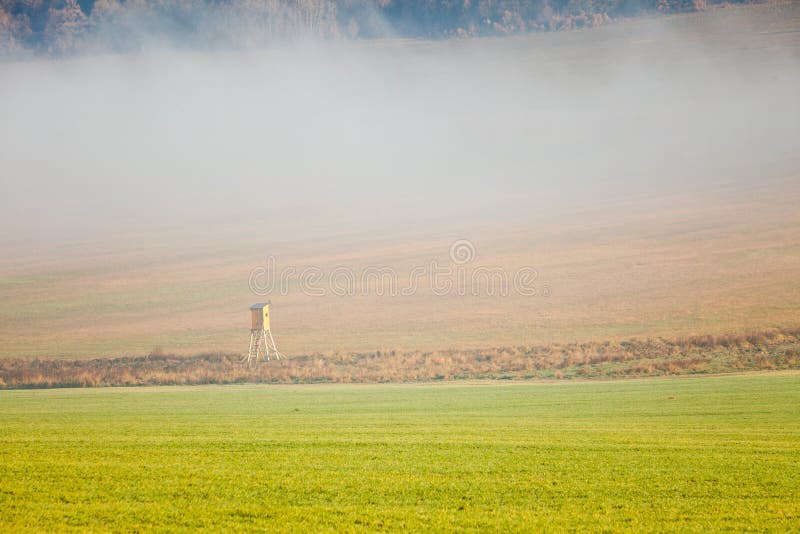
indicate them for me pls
(262, 345)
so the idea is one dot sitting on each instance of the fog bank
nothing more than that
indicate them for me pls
(331, 137)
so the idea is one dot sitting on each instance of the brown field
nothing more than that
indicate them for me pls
(676, 259)
(634, 269)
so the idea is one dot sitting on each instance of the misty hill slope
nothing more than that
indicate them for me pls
(647, 171)
(601, 277)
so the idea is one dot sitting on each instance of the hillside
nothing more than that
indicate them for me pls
(63, 26)
(647, 171)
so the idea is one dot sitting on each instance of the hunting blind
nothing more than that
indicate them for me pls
(262, 345)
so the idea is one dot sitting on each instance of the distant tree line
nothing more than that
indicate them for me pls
(63, 26)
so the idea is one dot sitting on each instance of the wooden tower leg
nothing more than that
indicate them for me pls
(250, 350)
(262, 347)
(274, 346)
(255, 346)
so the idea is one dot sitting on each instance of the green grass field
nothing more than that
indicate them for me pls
(693, 454)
